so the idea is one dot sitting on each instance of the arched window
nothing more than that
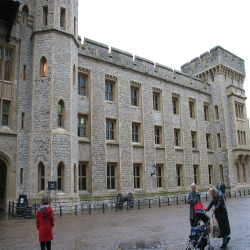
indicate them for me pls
(7, 69)
(25, 14)
(43, 69)
(60, 177)
(60, 114)
(41, 177)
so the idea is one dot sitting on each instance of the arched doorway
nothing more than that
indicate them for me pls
(3, 186)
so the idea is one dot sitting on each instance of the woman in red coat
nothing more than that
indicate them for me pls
(44, 223)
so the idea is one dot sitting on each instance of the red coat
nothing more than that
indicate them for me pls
(45, 222)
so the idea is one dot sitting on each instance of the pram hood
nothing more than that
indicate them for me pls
(205, 218)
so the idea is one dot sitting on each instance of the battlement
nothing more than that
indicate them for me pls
(216, 56)
(126, 60)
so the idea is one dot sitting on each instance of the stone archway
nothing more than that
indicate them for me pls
(3, 186)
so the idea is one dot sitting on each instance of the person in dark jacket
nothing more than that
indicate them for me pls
(220, 212)
(44, 223)
(223, 190)
(193, 199)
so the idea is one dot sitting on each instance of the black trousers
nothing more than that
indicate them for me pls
(47, 243)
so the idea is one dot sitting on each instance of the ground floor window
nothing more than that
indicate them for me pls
(159, 170)
(111, 176)
(179, 175)
(137, 176)
(82, 173)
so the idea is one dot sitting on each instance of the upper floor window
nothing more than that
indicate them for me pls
(81, 85)
(110, 130)
(241, 138)
(175, 105)
(45, 15)
(62, 18)
(208, 141)
(177, 139)
(210, 173)
(60, 114)
(156, 101)
(206, 114)
(216, 109)
(43, 67)
(5, 115)
(82, 126)
(192, 109)
(221, 173)
(134, 96)
(158, 135)
(218, 140)
(194, 140)
(7, 70)
(239, 111)
(135, 132)
(25, 14)
(109, 91)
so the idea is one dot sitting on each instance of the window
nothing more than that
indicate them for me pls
(177, 140)
(7, 70)
(82, 85)
(175, 104)
(135, 132)
(24, 72)
(221, 173)
(109, 91)
(194, 140)
(21, 176)
(60, 177)
(196, 175)
(210, 173)
(74, 26)
(82, 126)
(206, 114)
(74, 75)
(45, 15)
(179, 175)
(241, 138)
(216, 112)
(208, 141)
(41, 177)
(23, 121)
(238, 172)
(137, 176)
(5, 117)
(159, 175)
(43, 69)
(191, 110)
(134, 96)
(110, 130)
(156, 100)
(82, 172)
(239, 111)
(62, 18)
(218, 141)
(25, 14)
(60, 114)
(75, 178)
(244, 172)
(158, 135)
(111, 176)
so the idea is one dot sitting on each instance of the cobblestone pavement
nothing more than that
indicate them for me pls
(96, 231)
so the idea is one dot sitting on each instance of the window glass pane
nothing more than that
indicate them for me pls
(134, 93)
(136, 129)
(111, 126)
(59, 109)
(112, 183)
(106, 96)
(83, 122)
(42, 170)
(42, 184)
(78, 119)
(83, 81)
(106, 87)
(135, 102)
(82, 91)
(107, 135)
(59, 121)
(83, 170)
(83, 134)
(108, 170)
(155, 98)
(111, 135)
(137, 171)
(6, 55)
(138, 182)
(107, 125)
(5, 108)
(59, 172)
(111, 97)
(83, 183)
(59, 182)
(78, 80)
(108, 183)
(110, 88)
(136, 138)
(112, 170)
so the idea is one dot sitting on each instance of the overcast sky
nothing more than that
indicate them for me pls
(169, 32)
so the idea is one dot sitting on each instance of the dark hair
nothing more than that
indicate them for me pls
(45, 199)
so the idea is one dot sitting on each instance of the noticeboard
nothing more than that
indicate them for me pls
(52, 185)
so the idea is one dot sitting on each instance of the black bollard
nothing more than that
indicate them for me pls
(138, 204)
(89, 208)
(60, 211)
(9, 207)
(13, 206)
(35, 208)
(159, 202)
(168, 202)
(149, 204)
(244, 192)
(177, 200)
(240, 192)
(185, 200)
(103, 209)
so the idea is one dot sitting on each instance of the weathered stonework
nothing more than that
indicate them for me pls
(34, 137)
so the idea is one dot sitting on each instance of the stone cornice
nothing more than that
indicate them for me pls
(206, 103)
(111, 77)
(134, 83)
(157, 89)
(175, 94)
(192, 99)
(83, 70)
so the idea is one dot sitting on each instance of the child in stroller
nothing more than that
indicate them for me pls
(199, 236)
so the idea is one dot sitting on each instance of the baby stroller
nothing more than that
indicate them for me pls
(199, 237)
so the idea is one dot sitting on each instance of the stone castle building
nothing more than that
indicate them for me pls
(100, 121)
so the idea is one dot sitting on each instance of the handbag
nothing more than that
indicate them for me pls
(214, 227)
(198, 207)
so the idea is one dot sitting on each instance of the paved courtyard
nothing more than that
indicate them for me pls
(168, 225)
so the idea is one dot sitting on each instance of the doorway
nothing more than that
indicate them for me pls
(3, 186)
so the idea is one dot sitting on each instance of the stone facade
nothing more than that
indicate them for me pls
(186, 142)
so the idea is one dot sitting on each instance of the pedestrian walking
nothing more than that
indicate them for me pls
(223, 190)
(44, 223)
(218, 187)
(220, 212)
(193, 199)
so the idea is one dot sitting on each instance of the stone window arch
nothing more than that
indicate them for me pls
(41, 177)
(60, 177)
(25, 15)
(43, 67)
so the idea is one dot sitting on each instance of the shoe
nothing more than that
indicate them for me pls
(223, 246)
(228, 239)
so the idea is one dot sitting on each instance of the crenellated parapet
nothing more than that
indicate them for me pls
(218, 61)
(101, 52)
